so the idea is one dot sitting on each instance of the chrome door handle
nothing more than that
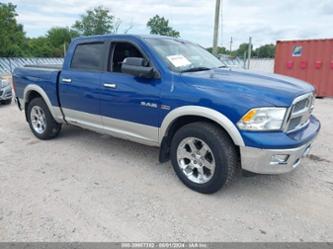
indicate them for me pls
(108, 85)
(66, 80)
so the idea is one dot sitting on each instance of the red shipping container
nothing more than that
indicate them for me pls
(308, 60)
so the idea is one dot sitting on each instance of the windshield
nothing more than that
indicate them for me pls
(183, 56)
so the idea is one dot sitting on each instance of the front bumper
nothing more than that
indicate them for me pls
(263, 160)
(6, 93)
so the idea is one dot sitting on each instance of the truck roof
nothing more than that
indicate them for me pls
(120, 36)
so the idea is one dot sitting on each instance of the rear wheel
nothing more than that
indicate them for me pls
(203, 157)
(41, 122)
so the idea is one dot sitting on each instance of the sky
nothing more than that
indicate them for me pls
(264, 20)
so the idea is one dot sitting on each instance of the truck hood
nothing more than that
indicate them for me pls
(277, 90)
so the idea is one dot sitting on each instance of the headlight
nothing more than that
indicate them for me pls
(4, 83)
(262, 119)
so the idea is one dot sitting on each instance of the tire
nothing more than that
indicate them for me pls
(194, 164)
(41, 121)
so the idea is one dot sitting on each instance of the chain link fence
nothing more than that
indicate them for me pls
(7, 65)
(256, 64)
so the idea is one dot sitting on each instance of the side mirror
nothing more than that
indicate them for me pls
(137, 67)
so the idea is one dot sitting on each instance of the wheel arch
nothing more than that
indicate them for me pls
(32, 91)
(187, 114)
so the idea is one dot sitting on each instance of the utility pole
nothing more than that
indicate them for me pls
(249, 52)
(65, 49)
(216, 26)
(231, 44)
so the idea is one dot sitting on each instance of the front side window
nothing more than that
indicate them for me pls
(89, 57)
(182, 55)
(122, 50)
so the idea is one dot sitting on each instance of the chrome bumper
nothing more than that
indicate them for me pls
(261, 160)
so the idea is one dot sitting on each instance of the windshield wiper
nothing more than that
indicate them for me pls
(195, 69)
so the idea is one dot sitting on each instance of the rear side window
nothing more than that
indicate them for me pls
(89, 57)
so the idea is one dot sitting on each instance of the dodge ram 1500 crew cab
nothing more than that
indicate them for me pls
(170, 93)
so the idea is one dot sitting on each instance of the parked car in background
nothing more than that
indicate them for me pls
(6, 91)
(173, 94)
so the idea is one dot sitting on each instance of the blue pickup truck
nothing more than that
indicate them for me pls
(209, 120)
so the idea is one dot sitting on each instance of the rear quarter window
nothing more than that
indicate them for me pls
(89, 57)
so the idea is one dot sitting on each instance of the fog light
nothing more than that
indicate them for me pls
(279, 159)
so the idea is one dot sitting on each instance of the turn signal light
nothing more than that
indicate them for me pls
(248, 116)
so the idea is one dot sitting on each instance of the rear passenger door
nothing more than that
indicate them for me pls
(80, 85)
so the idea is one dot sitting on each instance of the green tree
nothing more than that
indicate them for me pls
(243, 48)
(40, 47)
(59, 38)
(220, 50)
(265, 51)
(160, 26)
(97, 21)
(12, 37)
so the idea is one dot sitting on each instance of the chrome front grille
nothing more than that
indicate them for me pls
(301, 105)
(299, 113)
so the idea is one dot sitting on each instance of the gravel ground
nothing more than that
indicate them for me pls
(84, 186)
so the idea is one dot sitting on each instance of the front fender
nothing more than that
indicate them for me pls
(204, 112)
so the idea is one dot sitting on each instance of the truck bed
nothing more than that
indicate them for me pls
(43, 76)
(45, 66)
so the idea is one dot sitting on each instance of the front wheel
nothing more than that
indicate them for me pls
(203, 157)
(41, 122)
